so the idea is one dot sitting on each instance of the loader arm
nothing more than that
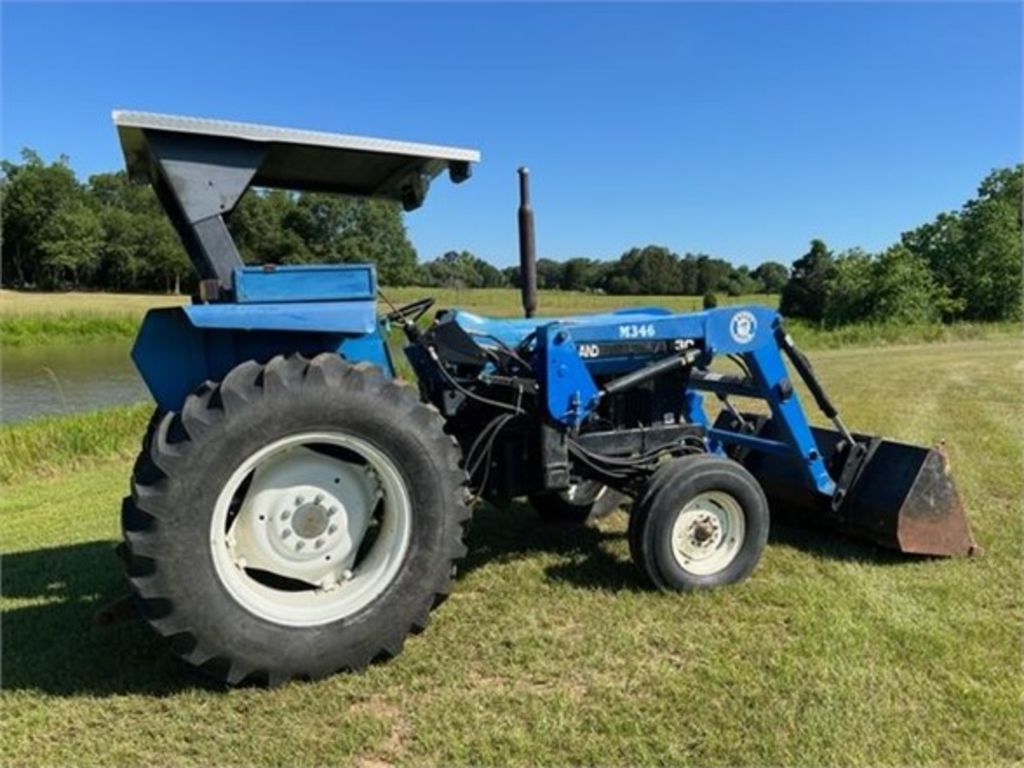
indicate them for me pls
(896, 494)
(571, 393)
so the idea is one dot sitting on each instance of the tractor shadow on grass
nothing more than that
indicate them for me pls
(51, 643)
(54, 646)
(827, 544)
(503, 534)
(514, 532)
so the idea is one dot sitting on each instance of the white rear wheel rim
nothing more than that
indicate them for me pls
(708, 533)
(288, 528)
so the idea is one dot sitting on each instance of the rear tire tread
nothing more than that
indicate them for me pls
(203, 410)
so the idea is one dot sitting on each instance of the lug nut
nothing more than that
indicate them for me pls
(331, 511)
(299, 545)
(299, 500)
(332, 528)
(319, 543)
(286, 533)
(319, 498)
(285, 515)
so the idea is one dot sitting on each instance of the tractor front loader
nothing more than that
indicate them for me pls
(297, 509)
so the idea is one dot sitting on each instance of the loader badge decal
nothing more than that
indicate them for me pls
(742, 327)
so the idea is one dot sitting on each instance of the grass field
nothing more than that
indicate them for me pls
(16, 303)
(28, 319)
(497, 301)
(45, 318)
(550, 651)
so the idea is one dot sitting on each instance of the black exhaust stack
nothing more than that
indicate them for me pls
(527, 246)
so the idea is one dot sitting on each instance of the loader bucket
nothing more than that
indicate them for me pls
(903, 496)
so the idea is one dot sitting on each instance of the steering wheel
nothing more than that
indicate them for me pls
(410, 313)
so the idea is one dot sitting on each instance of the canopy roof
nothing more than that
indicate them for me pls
(200, 169)
(293, 159)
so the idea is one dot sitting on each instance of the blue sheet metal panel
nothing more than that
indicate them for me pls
(512, 330)
(352, 317)
(570, 396)
(740, 329)
(371, 348)
(694, 413)
(728, 330)
(769, 370)
(170, 355)
(339, 282)
(725, 330)
(643, 311)
(174, 356)
(566, 385)
(745, 330)
(750, 332)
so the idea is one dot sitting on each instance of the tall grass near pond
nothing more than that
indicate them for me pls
(65, 328)
(55, 444)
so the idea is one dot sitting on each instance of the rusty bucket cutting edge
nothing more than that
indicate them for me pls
(903, 498)
(932, 519)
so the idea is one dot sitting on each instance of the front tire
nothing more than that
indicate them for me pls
(701, 521)
(296, 519)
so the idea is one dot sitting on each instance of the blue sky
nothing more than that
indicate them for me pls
(738, 130)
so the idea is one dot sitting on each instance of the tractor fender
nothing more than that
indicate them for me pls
(179, 348)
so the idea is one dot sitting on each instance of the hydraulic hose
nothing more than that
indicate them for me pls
(806, 370)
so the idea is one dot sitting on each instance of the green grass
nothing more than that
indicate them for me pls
(506, 301)
(84, 302)
(36, 318)
(500, 301)
(551, 652)
(28, 318)
(65, 328)
(813, 337)
(52, 445)
(41, 318)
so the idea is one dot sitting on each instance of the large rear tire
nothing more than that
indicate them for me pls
(296, 519)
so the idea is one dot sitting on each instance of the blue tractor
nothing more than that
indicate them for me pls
(298, 509)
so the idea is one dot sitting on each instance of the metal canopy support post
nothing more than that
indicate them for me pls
(199, 180)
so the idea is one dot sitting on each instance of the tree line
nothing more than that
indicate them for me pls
(963, 265)
(651, 270)
(109, 234)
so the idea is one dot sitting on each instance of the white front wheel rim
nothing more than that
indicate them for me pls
(708, 533)
(311, 528)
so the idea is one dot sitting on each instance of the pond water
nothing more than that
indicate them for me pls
(58, 379)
